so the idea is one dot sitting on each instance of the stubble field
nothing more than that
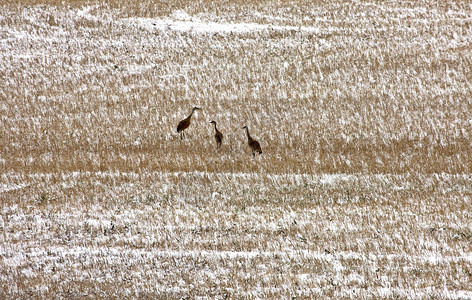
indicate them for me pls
(363, 111)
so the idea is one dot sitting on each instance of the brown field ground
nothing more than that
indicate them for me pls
(363, 110)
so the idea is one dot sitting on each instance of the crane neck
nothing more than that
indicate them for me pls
(247, 132)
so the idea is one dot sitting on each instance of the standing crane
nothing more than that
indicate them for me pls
(255, 146)
(185, 123)
(218, 136)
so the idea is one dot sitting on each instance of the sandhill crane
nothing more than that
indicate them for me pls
(185, 123)
(218, 136)
(255, 146)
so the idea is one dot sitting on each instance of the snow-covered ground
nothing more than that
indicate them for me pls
(362, 109)
(208, 234)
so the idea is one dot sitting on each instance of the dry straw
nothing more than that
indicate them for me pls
(362, 111)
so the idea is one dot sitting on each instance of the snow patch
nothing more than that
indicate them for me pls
(181, 21)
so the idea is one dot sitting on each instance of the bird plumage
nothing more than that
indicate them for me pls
(218, 135)
(253, 144)
(185, 123)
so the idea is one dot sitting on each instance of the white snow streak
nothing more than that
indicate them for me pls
(181, 21)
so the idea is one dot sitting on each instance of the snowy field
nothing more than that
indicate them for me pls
(363, 111)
